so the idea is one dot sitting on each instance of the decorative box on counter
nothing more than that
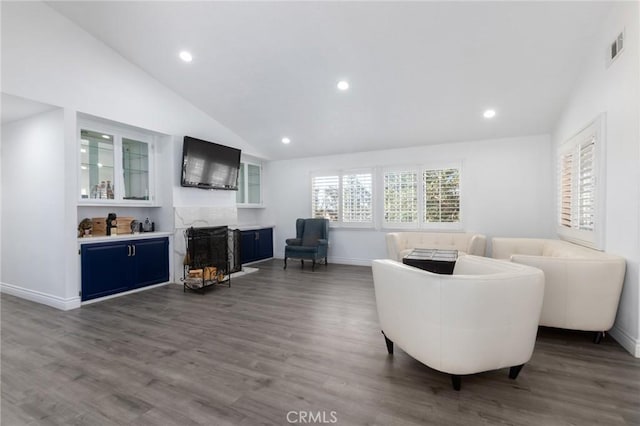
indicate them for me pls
(99, 226)
(124, 224)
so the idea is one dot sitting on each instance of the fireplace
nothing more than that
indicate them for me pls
(207, 248)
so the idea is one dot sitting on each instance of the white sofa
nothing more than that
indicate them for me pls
(483, 317)
(582, 286)
(400, 244)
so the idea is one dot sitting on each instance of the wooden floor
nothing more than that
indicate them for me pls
(278, 342)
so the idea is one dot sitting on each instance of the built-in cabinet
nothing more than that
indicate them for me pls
(116, 164)
(256, 244)
(113, 267)
(249, 185)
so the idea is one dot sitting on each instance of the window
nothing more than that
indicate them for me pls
(343, 197)
(409, 197)
(441, 196)
(401, 197)
(579, 186)
(357, 198)
(325, 194)
(432, 202)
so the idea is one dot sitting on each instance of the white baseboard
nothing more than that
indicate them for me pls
(339, 260)
(254, 262)
(124, 293)
(631, 344)
(40, 297)
(349, 261)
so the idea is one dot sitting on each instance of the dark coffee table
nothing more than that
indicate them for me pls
(432, 260)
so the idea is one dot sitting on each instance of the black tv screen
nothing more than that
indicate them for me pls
(209, 165)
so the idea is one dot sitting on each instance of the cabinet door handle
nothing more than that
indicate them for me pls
(134, 250)
(128, 251)
(257, 236)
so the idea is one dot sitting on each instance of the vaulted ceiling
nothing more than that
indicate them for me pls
(419, 72)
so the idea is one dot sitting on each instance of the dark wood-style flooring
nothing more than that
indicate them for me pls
(280, 341)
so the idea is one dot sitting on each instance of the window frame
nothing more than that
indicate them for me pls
(421, 207)
(340, 174)
(588, 238)
(377, 197)
(400, 225)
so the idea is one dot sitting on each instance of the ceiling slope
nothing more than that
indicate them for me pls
(419, 72)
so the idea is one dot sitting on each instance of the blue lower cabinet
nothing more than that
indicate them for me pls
(265, 243)
(152, 262)
(248, 252)
(114, 267)
(106, 269)
(256, 245)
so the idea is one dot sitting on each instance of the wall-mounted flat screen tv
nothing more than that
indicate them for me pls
(209, 165)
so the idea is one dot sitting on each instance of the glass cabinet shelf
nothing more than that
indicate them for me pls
(115, 164)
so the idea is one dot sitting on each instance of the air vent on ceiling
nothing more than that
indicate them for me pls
(615, 48)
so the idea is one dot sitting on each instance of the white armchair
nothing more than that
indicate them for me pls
(400, 244)
(483, 317)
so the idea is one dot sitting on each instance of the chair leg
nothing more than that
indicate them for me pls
(514, 371)
(598, 336)
(313, 265)
(389, 344)
(326, 261)
(302, 263)
(456, 381)
(285, 263)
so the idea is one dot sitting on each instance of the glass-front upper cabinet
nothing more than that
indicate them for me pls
(240, 195)
(249, 185)
(116, 164)
(254, 191)
(135, 169)
(96, 165)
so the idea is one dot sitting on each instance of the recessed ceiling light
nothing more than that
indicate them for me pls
(99, 164)
(490, 113)
(83, 167)
(106, 136)
(186, 56)
(83, 150)
(343, 85)
(286, 141)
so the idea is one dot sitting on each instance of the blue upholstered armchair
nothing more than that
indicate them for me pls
(311, 242)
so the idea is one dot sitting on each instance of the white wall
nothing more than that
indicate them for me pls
(506, 191)
(33, 209)
(58, 63)
(49, 59)
(616, 91)
(46, 57)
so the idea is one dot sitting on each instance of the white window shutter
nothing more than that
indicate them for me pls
(325, 194)
(441, 194)
(581, 187)
(357, 198)
(400, 197)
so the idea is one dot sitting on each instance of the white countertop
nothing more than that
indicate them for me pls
(140, 236)
(250, 227)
